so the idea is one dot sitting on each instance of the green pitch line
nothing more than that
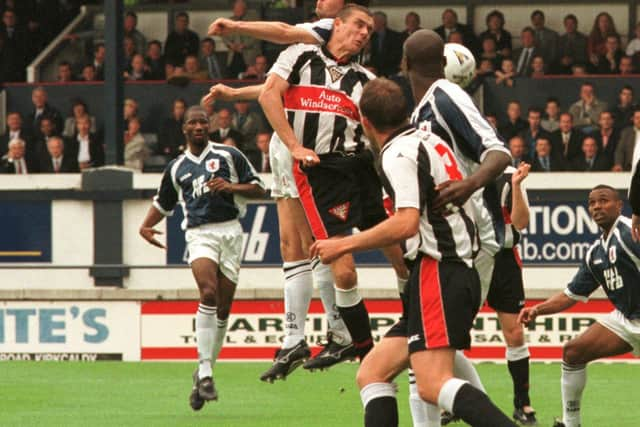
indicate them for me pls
(143, 394)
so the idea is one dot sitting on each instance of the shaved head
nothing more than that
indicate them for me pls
(424, 53)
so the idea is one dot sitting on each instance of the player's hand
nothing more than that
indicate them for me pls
(635, 228)
(219, 185)
(452, 194)
(327, 251)
(217, 92)
(521, 173)
(527, 315)
(148, 234)
(304, 155)
(222, 27)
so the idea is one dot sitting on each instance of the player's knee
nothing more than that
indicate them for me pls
(208, 295)
(223, 311)
(514, 335)
(346, 279)
(291, 249)
(428, 392)
(571, 354)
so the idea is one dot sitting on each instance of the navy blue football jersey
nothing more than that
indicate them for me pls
(185, 181)
(614, 264)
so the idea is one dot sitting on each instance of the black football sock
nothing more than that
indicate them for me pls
(518, 363)
(380, 405)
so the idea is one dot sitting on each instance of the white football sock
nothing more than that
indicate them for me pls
(419, 408)
(298, 289)
(218, 339)
(323, 279)
(205, 325)
(376, 390)
(574, 378)
(448, 392)
(464, 369)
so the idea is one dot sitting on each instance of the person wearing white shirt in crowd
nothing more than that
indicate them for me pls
(135, 149)
(634, 45)
(89, 151)
(628, 141)
(14, 161)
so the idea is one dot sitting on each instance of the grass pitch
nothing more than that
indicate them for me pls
(156, 394)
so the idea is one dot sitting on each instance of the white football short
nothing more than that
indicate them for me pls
(628, 330)
(221, 242)
(283, 184)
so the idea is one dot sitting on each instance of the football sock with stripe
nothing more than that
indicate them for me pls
(471, 405)
(380, 405)
(298, 289)
(205, 326)
(323, 279)
(574, 378)
(218, 338)
(355, 316)
(518, 363)
(423, 414)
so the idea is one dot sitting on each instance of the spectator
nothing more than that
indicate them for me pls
(607, 137)
(506, 74)
(567, 140)
(155, 61)
(86, 147)
(603, 26)
(412, 24)
(493, 120)
(633, 48)
(130, 110)
(15, 162)
(171, 140)
(216, 69)
(517, 149)
(543, 160)
(138, 69)
(55, 161)
(78, 109)
(99, 53)
(135, 148)
(489, 51)
(129, 51)
(551, 122)
(89, 73)
(249, 124)
(579, 70)
(623, 112)
(212, 116)
(225, 130)
(386, 47)
(230, 142)
(590, 158)
(485, 69)
(610, 61)
(130, 30)
(243, 49)
(523, 56)
(450, 24)
(455, 37)
(47, 130)
(36, 39)
(181, 41)
(572, 46)
(537, 67)
(15, 43)
(257, 71)
(546, 40)
(192, 68)
(42, 109)
(624, 151)
(15, 130)
(64, 72)
(514, 124)
(534, 131)
(586, 111)
(263, 163)
(626, 66)
(495, 27)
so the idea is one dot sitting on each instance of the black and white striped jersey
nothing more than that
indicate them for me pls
(322, 100)
(321, 29)
(411, 169)
(505, 189)
(449, 112)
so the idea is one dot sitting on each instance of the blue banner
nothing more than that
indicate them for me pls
(25, 227)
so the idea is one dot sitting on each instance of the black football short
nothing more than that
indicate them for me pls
(506, 292)
(373, 211)
(443, 301)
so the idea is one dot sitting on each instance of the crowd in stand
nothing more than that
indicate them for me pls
(588, 136)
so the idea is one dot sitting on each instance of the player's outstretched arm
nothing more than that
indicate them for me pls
(401, 226)
(519, 203)
(154, 216)
(227, 93)
(273, 107)
(557, 303)
(458, 192)
(274, 32)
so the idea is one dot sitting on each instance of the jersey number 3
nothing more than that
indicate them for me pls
(450, 164)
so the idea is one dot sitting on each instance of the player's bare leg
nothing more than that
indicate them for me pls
(205, 272)
(383, 363)
(595, 343)
(434, 375)
(295, 239)
(517, 356)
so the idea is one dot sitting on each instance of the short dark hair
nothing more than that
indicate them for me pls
(156, 42)
(383, 103)
(572, 17)
(182, 14)
(607, 187)
(528, 30)
(132, 14)
(534, 110)
(537, 12)
(346, 11)
(553, 99)
(495, 13)
(626, 87)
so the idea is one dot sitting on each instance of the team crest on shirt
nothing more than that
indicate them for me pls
(612, 255)
(212, 165)
(335, 73)
(341, 211)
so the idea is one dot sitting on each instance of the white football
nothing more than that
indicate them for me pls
(461, 65)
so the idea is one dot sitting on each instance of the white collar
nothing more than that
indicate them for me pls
(200, 158)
